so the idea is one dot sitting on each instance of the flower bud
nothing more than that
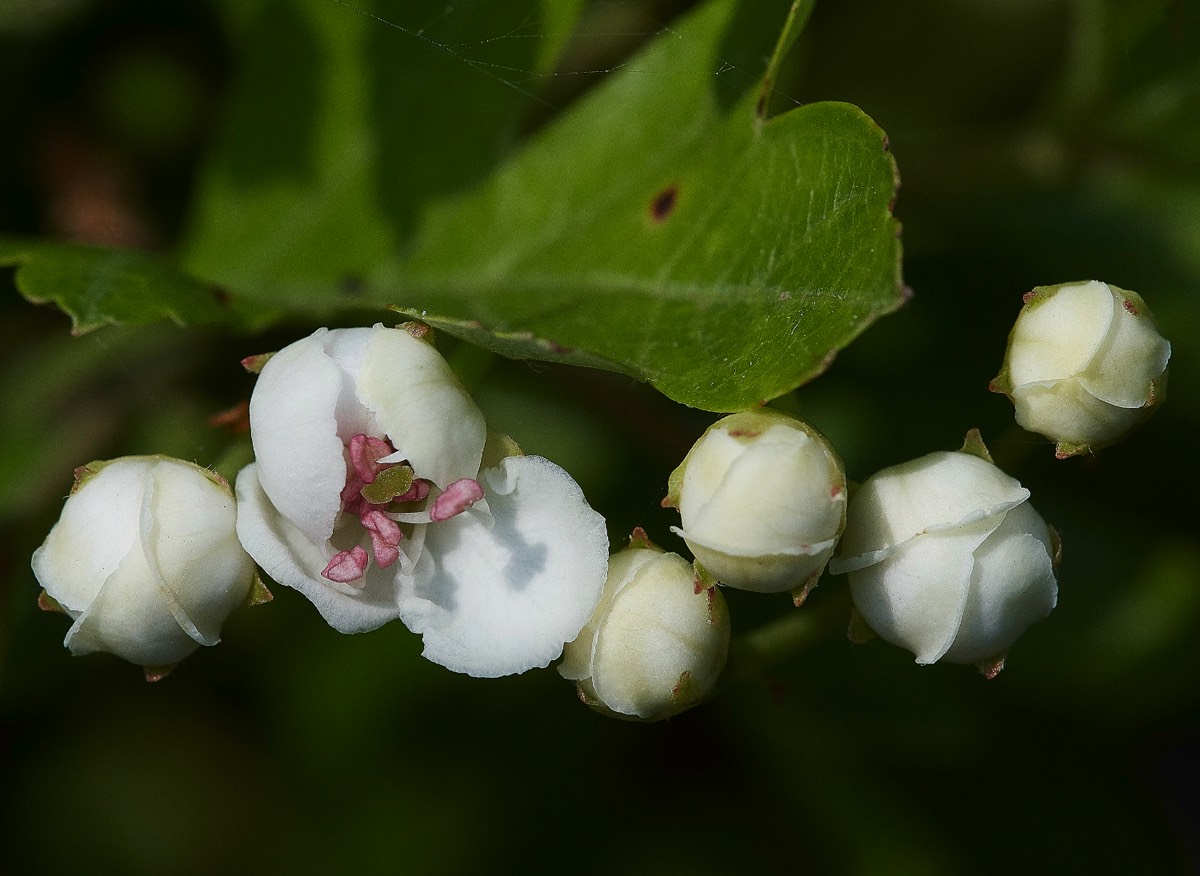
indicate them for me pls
(657, 641)
(762, 500)
(947, 558)
(145, 560)
(1085, 364)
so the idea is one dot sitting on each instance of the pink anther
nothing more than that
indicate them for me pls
(365, 453)
(458, 497)
(385, 537)
(346, 567)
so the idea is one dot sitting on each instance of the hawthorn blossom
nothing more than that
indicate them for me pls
(378, 493)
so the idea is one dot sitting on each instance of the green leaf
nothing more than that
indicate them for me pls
(96, 286)
(721, 257)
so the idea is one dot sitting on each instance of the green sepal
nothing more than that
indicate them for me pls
(974, 446)
(258, 594)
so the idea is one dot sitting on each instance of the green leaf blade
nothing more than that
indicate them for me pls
(722, 258)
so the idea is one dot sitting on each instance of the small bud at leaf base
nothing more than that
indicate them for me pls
(762, 500)
(145, 559)
(656, 643)
(1085, 364)
(947, 558)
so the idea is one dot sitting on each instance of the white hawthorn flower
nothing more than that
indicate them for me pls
(656, 643)
(947, 558)
(1085, 363)
(145, 559)
(762, 500)
(370, 495)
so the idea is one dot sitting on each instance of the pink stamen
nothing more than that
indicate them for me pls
(346, 567)
(365, 453)
(418, 491)
(458, 497)
(385, 536)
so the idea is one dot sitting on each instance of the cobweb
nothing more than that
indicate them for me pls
(600, 38)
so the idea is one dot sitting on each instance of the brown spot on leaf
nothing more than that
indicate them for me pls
(664, 203)
(1130, 307)
(1027, 296)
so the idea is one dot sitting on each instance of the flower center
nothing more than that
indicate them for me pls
(382, 495)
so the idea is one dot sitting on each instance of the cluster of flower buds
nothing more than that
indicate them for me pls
(379, 493)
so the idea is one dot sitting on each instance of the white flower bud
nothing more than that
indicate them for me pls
(762, 500)
(1085, 364)
(947, 558)
(657, 641)
(145, 559)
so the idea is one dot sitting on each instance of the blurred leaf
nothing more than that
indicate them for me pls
(652, 232)
(344, 120)
(96, 286)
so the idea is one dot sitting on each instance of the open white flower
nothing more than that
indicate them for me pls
(368, 496)
(145, 560)
(947, 558)
(1085, 364)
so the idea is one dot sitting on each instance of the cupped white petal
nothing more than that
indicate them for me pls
(579, 655)
(421, 406)
(1012, 585)
(301, 398)
(654, 632)
(1067, 412)
(293, 559)
(772, 496)
(934, 493)
(132, 618)
(1060, 336)
(94, 527)
(758, 571)
(1132, 356)
(188, 537)
(492, 600)
(915, 598)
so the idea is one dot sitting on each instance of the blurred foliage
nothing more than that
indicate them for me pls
(1039, 141)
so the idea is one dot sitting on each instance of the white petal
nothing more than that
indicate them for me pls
(1012, 586)
(934, 493)
(652, 633)
(774, 494)
(131, 618)
(189, 540)
(421, 406)
(298, 402)
(96, 523)
(290, 557)
(579, 657)
(1059, 336)
(1132, 356)
(1066, 411)
(501, 599)
(916, 596)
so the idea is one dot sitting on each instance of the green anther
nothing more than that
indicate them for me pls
(388, 484)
